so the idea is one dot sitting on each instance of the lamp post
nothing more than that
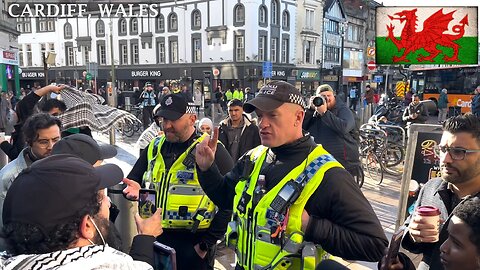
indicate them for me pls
(112, 93)
(343, 29)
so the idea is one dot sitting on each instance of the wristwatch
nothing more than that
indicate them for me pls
(203, 246)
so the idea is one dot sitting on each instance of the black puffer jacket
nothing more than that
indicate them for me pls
(332, 131)
(249, 139)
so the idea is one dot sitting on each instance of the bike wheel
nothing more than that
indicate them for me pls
(373, 166)
(393, 155)
(128, 129)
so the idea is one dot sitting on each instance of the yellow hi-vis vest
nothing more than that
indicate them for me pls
(255, 246)
(178, 191)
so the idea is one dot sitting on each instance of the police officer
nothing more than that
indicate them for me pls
(190, 223)
(148, 101)
(291, 199)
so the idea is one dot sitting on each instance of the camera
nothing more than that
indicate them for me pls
(318, 101)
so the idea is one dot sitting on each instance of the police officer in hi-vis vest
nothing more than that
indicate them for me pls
(191, 223)
(293, 203)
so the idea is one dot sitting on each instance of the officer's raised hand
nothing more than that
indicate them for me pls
(205, 151)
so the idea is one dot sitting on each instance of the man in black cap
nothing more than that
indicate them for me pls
(291, 199)
(191, 224)
(148, 98)
(84, 147)
(56, 215)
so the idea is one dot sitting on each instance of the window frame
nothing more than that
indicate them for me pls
(67, 27)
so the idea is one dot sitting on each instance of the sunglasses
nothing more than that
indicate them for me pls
(456, 153)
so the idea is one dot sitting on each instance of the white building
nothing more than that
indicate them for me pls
(186, 40)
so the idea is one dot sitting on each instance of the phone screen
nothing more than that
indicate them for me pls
(164, 257)
(147, 202)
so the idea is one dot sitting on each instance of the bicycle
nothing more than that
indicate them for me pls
(371, 141)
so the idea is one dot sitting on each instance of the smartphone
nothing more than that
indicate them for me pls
(147, 202)
(165, 257)
(394, 246)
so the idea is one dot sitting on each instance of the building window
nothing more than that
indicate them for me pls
(102, 55)
(24, 25)
(100, 28)
(285, 50)
(239, 14)
(29, 55)
(262, 48)
(20, 57)
(173, 51)
(262, 16)
(46, 24)
(172, 22)
(309, 18)
(333, 27)
(161, 52)
(285, 19)
(273, 51)
(196, 20)
(122, 26)
(160, 23)
(123, 54)
(133, 26)
(67, 31)
(197, 50)
(354, 33)
(308, 51)
(332, 54)
(43, 52)
(86, 54)
(239, 48)
(274, 11)
(70, 56)
(135, 54)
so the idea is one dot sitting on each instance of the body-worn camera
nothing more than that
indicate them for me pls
(318, 101)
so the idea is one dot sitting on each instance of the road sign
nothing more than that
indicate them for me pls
(216, 72)
(371, 65)
(370, 51)
(88, 76)
(378, 78)
(267, 69)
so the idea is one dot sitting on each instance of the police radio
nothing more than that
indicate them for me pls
(287, 195)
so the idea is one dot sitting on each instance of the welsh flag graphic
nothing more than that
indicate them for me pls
(427, 35)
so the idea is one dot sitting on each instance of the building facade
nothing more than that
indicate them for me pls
(179, 46)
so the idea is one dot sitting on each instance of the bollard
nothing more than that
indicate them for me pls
(127, 104)
(125, 222)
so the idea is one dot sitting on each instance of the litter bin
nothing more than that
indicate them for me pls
(125, 222)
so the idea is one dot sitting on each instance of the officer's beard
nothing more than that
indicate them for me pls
(109, 232)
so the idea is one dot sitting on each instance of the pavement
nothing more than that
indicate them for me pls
(384, 199)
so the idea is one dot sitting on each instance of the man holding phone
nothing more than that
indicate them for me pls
(190, 222)
(65, 222)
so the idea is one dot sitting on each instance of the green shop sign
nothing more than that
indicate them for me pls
(308, 75)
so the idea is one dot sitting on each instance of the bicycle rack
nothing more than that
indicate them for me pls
(397, 127)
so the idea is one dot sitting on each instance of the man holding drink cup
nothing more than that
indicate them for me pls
(459, 152)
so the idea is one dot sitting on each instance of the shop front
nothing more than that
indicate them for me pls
(307, 80)
(9, 73)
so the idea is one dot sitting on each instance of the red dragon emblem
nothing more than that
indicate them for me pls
(428, 39)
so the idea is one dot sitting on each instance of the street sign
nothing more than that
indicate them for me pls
(216, 72)
(371, 65)
(267, 69)
(88, 76)
(370, 51)
(378, 78)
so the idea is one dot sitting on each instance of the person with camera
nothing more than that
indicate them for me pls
(331, 123)
(291, 199)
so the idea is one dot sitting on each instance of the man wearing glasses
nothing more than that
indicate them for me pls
(41, 131)
(459, 153)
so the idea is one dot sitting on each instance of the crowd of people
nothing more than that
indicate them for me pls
(278, 187)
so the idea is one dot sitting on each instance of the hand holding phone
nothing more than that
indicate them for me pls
(165, 257)
(393, 249)
(147, 202)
